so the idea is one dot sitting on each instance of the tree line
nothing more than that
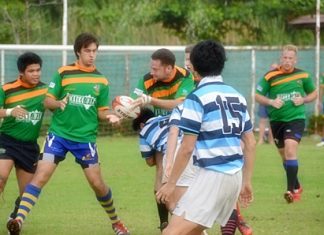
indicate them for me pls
(156, 22)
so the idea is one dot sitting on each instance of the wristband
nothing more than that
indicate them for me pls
(8, 112)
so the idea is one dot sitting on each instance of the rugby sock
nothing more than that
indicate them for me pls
(28, 200)
(107, 203)
(163, 212)
(291, 172)
(297, 184)
(15, 210)
(230, 227)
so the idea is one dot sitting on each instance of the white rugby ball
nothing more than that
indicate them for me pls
(122, 107)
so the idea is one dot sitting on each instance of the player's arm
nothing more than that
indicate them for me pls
(246, 195)
(52, 103)
(264, 100)
(310, 97)
(13, 112)
(172, 143)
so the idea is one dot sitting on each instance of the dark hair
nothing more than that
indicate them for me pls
(144, 115)
(84, 40)
(165, 56)
(26, 59)
(208, 58)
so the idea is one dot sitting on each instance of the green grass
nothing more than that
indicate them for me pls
(68, 206)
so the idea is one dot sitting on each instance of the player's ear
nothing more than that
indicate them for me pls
(142, 125)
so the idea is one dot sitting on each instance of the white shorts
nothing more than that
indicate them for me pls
(187, 176)
(210, 198)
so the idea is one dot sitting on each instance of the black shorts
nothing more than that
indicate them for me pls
(24, 154)
(287, 130)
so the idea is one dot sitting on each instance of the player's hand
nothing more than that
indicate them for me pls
(298, 100)
(276, 103)
(246, 195)
(141, 101)
(164, 195)
(64, 102)
(112, 118)
(18, 112)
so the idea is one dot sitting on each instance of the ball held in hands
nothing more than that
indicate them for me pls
(122, 105)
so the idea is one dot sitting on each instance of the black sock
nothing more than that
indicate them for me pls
(291, 171)
(297, 184)
(163, 212)
(230, 227)
(14, 212)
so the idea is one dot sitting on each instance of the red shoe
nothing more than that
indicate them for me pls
(120, 229)
(243, 227)
(297, 193)
(299, 190)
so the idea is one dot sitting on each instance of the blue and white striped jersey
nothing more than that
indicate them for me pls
(218, 115)
(175, 116)
(153, 136)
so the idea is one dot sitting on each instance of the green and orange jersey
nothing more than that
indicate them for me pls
(28, 97)
(87, 91)
(286, 86)
(178, 86)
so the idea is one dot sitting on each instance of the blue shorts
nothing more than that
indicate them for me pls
(262, 111)
(56, 148)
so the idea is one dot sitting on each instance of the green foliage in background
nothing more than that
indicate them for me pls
(155, 22)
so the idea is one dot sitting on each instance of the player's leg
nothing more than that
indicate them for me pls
(53, 153)
(44, 171)
(292, 138)
(6, 166)
(26, 158)
(270, 136)
(262, 127)
(162, 207)
(87, 156)
(230, 227)
(104, 196)
(23, 178)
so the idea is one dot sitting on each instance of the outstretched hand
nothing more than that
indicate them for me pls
(112, 118)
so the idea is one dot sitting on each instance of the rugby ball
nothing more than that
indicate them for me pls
(122, 105)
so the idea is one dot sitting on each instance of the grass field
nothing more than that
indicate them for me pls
(67, 205)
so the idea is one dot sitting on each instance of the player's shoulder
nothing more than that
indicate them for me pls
(183, 72)
(67, 68)
(147, 77)
(10, 85)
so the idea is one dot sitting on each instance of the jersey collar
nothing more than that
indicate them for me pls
(211, 79)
